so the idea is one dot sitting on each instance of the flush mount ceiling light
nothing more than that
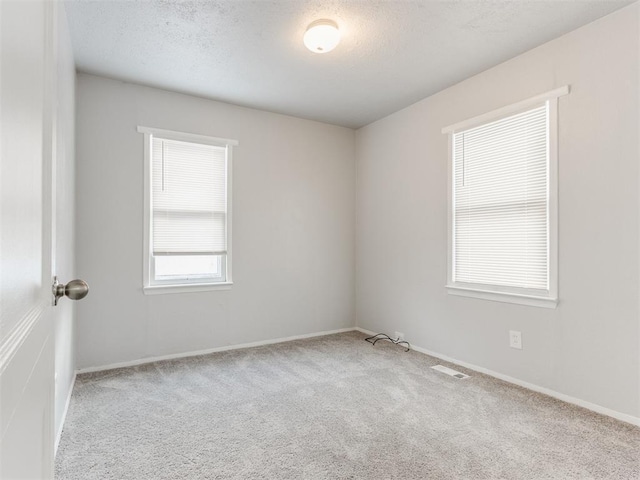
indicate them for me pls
(322, 36)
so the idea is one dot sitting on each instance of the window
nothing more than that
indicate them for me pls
(187, 238)
(503, 204)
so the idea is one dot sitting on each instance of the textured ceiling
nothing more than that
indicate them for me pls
(250, 53)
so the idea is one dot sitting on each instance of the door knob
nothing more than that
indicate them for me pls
(75, 290)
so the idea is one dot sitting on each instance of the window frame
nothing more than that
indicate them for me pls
(498, 293)
(150, 286)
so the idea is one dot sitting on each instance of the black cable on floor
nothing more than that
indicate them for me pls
(384, 336)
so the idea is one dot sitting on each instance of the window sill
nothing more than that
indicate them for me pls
(530, 300)
(186, 288)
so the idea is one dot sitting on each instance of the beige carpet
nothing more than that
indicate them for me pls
(327, 408)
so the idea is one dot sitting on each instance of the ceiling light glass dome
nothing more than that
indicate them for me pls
(322, 36)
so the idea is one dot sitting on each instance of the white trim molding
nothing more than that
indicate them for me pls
(64, 415)
(505, 297)
(150, 286)
(546, 298)
(507, 110)
(188, 137)
(20, 331)
(530, 386)
(186, 288)
(225, 348)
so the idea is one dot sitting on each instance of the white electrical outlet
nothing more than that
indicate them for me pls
(515, 339)
(399, 336)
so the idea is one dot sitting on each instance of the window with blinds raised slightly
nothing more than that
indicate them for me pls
(500, 202)
(189, 198)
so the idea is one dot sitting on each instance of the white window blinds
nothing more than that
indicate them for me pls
(500, 202)
(188, 198)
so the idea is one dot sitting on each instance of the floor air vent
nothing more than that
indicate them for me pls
(449, 371)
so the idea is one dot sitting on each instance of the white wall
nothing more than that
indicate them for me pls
(63, 314)
(293, 227)
(586, 348)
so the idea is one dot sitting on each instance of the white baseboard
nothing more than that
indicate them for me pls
(362, 330)
(173, 356)
(536, 388)
(64, 415)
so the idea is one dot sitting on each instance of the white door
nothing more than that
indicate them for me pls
(26, 225)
